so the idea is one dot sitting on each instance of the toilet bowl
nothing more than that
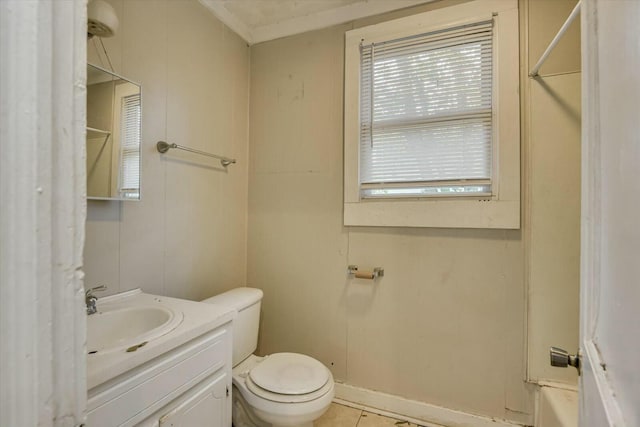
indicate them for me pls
(279, 399)
(282, 389)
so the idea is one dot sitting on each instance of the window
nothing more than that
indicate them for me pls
(130, 147)
(425, 114)
(432, 119)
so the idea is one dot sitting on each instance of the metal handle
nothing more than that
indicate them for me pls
(163, 147)
(561, 358)
(90, 291)
(90, 300)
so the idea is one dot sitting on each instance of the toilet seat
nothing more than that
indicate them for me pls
(286, 398)
(289, 378)
(289, 373)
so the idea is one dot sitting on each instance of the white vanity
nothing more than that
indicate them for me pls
(158, 361)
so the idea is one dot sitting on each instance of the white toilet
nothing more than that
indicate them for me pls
(282, 389)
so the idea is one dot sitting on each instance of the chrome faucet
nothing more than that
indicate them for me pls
(91, 300)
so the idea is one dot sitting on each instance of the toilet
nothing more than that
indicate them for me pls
(282, 389)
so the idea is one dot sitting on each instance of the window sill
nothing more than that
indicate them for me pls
(441, 213)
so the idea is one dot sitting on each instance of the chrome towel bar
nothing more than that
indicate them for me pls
(163, 147)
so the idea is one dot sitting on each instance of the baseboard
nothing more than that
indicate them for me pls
(410, 410)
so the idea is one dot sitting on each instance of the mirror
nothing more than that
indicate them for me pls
(114, 112)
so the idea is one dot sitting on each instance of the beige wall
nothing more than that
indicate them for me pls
(187, 236)
(447, 324)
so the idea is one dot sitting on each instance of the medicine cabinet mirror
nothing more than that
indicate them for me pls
(114, 112)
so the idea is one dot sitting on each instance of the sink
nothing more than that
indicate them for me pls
(128, 328)
(128, 320)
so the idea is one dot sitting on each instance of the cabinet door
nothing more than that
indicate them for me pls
(206, 406)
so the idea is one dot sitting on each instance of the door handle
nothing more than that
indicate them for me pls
(561, 358)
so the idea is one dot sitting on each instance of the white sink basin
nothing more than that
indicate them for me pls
(128, 328)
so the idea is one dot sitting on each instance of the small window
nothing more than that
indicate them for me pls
(431, 119)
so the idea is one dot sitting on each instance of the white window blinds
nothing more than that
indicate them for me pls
(130, 146)
(426, 114)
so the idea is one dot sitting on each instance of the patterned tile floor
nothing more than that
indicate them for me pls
(345, 416)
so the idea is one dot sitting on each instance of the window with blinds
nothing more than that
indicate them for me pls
(426, 114)
(130, 147)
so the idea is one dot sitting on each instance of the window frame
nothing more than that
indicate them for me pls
(502, 208)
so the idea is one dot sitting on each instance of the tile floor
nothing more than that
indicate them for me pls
(345, 416)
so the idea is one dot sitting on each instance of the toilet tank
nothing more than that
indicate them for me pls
(246, 301)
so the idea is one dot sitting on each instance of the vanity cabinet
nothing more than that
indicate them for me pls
(206, 405)
(187, 386)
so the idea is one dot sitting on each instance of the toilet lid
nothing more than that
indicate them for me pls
(289, 398)
(289, 373)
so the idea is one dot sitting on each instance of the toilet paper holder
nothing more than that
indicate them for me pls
(359, 274)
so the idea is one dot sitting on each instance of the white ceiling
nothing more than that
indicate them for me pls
(261, 20)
